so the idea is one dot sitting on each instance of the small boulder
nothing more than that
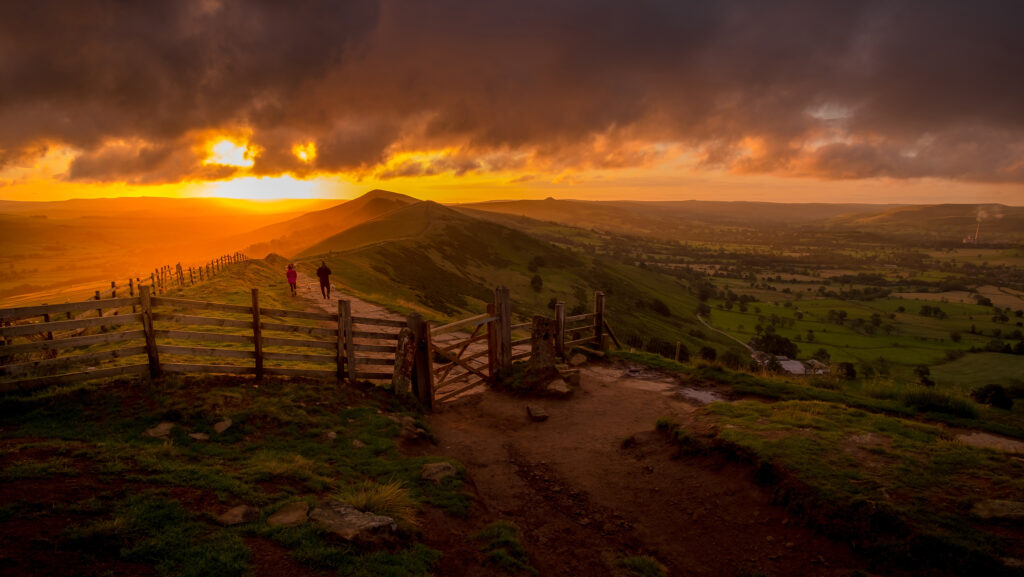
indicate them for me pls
(559, 388)
(357, 444)
(437, 472)
(331, 435)
(199, 436)
(999, 509)
(223, 425)
(536, 414)
(577, 360)
(238, 515)
(161, 430)
(410, 431)
(290, 515)
(571, 376)
(352, 524)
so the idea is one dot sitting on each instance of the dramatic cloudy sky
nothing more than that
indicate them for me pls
(828, 100)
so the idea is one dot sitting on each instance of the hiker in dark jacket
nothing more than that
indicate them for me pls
(325, 279)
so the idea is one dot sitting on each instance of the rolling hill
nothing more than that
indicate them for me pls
(445, 264)
(673, 220)
(293, 236)
(995, 223)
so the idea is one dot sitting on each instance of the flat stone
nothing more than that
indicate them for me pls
(161, 430)
(998, 509)
(436, 472)
(357, 444)
(536, 414)
(332, 435)
(352, 524)
(559, 388)
(222, 426)
(571, 376)
(290, 515)
(238, 515)
(199, 436)
(577, 360)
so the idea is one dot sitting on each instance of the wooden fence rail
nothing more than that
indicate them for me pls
(183, 336)
(153, 334)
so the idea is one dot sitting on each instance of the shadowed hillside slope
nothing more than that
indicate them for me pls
(429, 258)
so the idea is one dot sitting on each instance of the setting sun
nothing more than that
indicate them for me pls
(305, 152)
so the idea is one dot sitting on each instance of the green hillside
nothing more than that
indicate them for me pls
(445, 264)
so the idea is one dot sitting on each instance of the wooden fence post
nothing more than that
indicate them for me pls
(99, 311)
(191, 277)
(147, 327)
(257, 332)
(113, 289)
(503, 306)
(678, 344)
(345, 310)
(131, 291)
(341, 340)
(423, 367)
(560, 329)
(492, 344)
(599, 319)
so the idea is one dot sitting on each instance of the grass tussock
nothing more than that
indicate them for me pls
(503, 549)
(638, 566)
(389, 499)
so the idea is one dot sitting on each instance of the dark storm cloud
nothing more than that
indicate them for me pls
(840, 89)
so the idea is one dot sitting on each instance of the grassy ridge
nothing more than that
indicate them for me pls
(436, 261)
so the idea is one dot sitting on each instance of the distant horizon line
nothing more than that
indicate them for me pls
(495, 200)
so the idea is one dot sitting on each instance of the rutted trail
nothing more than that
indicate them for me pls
(596, 480)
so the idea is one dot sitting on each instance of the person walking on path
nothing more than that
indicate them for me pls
(293, 276)
(325, 279)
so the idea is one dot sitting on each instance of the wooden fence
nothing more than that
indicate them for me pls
(148, 334)
(257, 340)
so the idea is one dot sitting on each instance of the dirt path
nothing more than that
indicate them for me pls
(309, 289)
(595, 482)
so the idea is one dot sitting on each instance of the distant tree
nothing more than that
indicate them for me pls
(822, 355)
(955, 336)
(659, 306)
(708, 353)
(993, 395)
(847, 371)
(924, 375)
(553, 303)
(703, 309)
(536, 283)
(535, 263)
(684, 353)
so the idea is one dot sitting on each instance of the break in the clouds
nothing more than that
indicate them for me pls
(836, 89)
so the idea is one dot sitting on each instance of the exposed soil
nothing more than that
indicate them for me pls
(595, 481)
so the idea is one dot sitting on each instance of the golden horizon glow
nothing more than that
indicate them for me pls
(444, 175)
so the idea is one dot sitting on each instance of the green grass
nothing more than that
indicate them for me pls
(638, 566)
(868, 471)
(277, 449)
(502, 548)
(157, 531)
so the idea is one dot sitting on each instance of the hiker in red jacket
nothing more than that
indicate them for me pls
(293, 276)
(325, 279)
